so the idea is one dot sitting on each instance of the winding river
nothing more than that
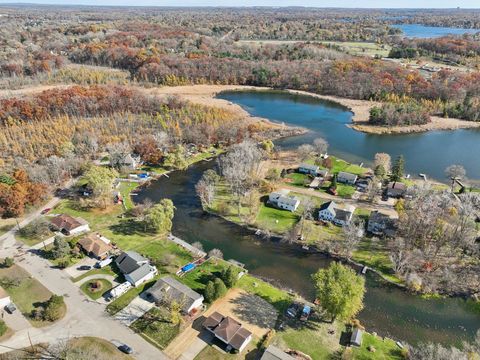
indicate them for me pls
(388, 310)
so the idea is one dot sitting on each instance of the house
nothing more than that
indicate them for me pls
(69, 225)
(4, 298)
(228, 330)
(381, 224)
(167, 289)
(281, 200)
(338, 214)
(396, 189)
(308, 169)
(130, 162)
(322, 173)
(274, 353)
(316, 183)
(356, 338)
(135, 267)
(95, 246)
(346, 178)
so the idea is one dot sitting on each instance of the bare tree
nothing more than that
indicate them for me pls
(454, 173)
(198, 245)
(117, 153)
(384, 160)
(353, 232)
(400, 257)
(320, 146)
(216, 253)
(205, 190)
(305, 151)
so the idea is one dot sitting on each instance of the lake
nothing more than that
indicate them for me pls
(429, 153)
(388, 310)
(423, 31)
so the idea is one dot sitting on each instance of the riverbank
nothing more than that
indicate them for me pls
(205, 95)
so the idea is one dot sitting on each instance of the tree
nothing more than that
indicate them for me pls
(320, 145)
(205, 189)
(220, 288)
(176, 159)
(198, 245)
(353, 233)
(100, 180)
(455, 172)
(148, 150)
(333, 184)
(398, 169)
(384, 160)
(54, 308)
(340, 291)
(305, 151)
(117, 153)
(229, 276)
(8, 262)
(159, 217)
(379, 171)
(61, 248)
(209, 292)
(175, 312)
(216, 253)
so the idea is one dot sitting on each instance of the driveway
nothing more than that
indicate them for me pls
(73, 271)
(135, 310)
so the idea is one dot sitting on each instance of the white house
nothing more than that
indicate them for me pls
(4, 298)
(338, 214)
(141, 275)
(135, 268)
(308, 169)
(346, 178)
(69, 225)
(167, 289)
(281, 200)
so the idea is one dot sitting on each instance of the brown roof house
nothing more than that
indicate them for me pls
(95, 246)
(69, 225)
(228, 331)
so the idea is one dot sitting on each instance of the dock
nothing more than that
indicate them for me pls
(187, 246)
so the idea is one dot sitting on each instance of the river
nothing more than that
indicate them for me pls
(388, 310)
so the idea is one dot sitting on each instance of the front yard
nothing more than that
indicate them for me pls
(26, 292)
(95, 288)
(155, 326)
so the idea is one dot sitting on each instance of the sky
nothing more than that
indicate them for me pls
(314, 3)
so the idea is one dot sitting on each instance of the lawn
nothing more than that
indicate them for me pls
(373, 254)
(95, 294)
(360, 48)
(198, 278)
(125, 190)
(312, 339)
(384, 349)
(166, 255)
(345, 191)
(156, 328)
(276, 220)
(107, 270)
(341, 165)
(297, 179)
(314, 233)
(122, 301)
(251, 351)
(362, 213)
(98, 346)
(27, 293)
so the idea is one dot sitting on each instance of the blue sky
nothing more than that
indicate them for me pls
(317, 3)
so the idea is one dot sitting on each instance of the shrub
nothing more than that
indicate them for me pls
(229, 276)
(220, 288)
(3, 328)
(8, 262)
(209, 292)
(53, 308)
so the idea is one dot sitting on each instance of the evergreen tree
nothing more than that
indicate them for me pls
(398, 169)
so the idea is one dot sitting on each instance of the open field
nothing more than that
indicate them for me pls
(105, 348)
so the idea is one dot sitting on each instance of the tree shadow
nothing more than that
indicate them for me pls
(129, 227)
(255, 310)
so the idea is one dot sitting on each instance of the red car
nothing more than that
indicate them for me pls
(44, 211)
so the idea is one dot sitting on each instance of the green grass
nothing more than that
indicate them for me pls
(345, 191)
(125, 189)
(341, 165)
(119, 303)
(360, 48)
(199, 277)
(276, 220)
(280, 299)
(374, 255)
(165, 254)
(27, 294)
(362, 213)
(98, 346)
(96, 294)
(107, 270)
(155, 327)
(312, 339)
(384, 349)
(297, 179)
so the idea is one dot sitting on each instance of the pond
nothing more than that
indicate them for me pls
(423, 31)
(429, 152)
(388, 310)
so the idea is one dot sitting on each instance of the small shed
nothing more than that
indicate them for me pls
(356, 339)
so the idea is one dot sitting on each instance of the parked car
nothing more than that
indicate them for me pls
(305, 313)
(125, 349)
(10, 308)
(292, 310)
(103, 263)
(45, 211)
(84, 267)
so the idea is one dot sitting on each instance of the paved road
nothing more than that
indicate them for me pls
(84, 317)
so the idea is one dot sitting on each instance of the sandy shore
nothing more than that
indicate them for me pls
(205, 95)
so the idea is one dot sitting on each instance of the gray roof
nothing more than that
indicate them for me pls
(129, 261)
(140, 272)
(274, 353)
(356, 338)
(309, 167)
(343, 215)
(169, 289)
(289, 200)
(346, 176)
(322, 172)
(328, 205)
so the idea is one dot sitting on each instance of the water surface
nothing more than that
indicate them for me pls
(423, 31)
